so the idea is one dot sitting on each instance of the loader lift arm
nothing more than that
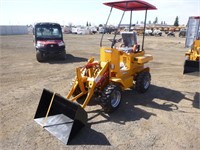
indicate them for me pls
(92, 81)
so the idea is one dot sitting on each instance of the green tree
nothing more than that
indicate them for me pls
(149, 21)
(156, 20)
(176, 22)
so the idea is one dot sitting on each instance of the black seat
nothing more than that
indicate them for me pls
(129, 38)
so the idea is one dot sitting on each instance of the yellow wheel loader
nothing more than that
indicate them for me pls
(192, 57)
(121, 66)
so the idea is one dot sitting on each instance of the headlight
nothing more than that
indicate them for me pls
(61, 43)
(39, 44)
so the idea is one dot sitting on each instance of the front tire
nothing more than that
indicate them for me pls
(111, 98)
(143, 82)
(63, 55)
(39, 56)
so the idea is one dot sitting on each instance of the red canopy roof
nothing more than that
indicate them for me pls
(133, 5)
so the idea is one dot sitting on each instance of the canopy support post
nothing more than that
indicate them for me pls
(144, 29)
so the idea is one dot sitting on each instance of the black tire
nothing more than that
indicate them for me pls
(63, 55)
(143, 82)
(111, 98)
(39, 56)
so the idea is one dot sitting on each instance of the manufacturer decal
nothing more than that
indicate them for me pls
(108, 51)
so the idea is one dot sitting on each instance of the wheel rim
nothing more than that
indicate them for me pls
(116, 97)
(146, 83)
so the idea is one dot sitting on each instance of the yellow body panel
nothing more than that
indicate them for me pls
(124, 64)
(194, 53)
(125, 82)
(144, 59)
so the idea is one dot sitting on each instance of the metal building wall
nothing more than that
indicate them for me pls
(13, 30)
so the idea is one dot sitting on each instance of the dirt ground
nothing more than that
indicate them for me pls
(167, 116)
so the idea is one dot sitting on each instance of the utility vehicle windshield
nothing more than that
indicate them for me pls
(48, 32)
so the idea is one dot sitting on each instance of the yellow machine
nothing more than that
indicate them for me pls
(192, 58)
(120, 67)
(194, 53)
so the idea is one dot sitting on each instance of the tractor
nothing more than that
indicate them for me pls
(192, 56)
(192, 60)
(121, 66)
(48, 41)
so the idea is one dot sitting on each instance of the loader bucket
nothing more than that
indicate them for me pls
(59, 116)
(191, 66)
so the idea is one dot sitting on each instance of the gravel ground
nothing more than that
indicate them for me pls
(167, 116)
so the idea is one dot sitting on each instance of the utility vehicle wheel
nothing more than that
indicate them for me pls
(143, 81)
(63, 55)
(39, 56)
(111, 98)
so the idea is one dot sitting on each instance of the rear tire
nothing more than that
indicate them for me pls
(39, 56)
(143, 81)
(111, 98)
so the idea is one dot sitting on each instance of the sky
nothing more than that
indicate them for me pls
(79, 12)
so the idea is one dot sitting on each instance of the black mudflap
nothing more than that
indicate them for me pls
(191, 66)
(64, 119)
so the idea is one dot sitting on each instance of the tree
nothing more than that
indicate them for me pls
(149, 21)
(176, 22)
(156, 20)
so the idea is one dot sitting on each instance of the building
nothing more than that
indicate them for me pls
(13, 30)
